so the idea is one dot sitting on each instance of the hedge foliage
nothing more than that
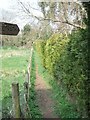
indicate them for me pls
(65, 57)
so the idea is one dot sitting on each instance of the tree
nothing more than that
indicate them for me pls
(64, 14)
(45, 30)
(26, 29)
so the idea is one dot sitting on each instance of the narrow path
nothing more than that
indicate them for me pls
(43, 93)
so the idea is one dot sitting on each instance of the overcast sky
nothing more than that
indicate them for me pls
(11, 6)
(5, 4)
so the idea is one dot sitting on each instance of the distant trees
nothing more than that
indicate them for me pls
(29, 34)
(25, 34)
(26, 29)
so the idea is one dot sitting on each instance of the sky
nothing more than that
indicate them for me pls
(12, 7)
(5, 4)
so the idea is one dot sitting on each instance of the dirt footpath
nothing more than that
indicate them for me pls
(43, 93)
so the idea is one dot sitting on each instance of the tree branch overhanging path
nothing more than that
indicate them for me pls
(44, 18)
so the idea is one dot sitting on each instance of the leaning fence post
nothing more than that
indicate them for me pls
(16, 100)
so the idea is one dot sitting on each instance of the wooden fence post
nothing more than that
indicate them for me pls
(26, 91)
(29, 72)
(16, 100)
(26, 114)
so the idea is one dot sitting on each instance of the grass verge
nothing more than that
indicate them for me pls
(34, 109)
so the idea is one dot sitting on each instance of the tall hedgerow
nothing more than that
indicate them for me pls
(71, 68)
(65, 57)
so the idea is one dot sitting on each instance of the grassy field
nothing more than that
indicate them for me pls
(13, 69)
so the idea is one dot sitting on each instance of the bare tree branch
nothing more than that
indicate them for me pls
(26, 10)
(65, 22)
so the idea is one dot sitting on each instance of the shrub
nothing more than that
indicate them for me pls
(40, 48)
(53, 51)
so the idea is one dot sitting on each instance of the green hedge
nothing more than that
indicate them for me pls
(40, 48)
(65, 57)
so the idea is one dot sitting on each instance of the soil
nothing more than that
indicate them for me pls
(43, 96)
